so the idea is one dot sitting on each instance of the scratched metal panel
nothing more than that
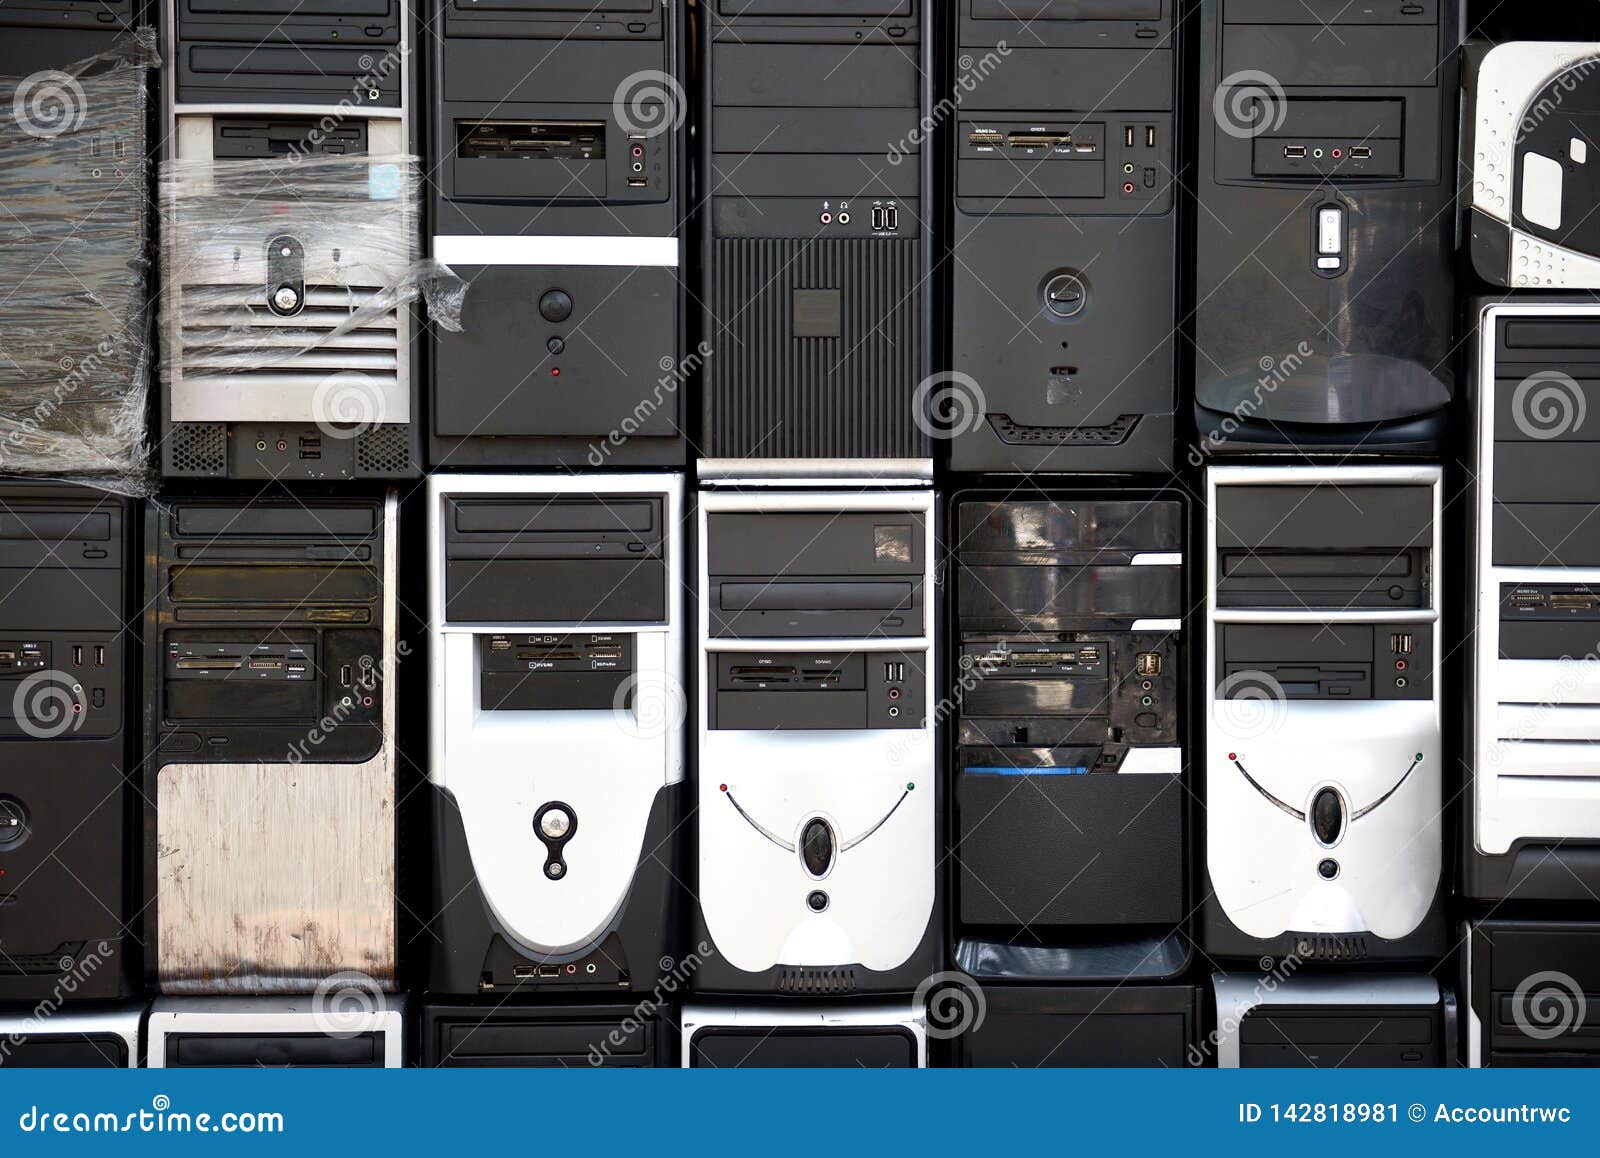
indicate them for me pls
(273, 877)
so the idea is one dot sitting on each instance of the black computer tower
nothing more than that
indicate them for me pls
(271, 657)
(68, 716)
(1058, 1026)
(1324, 309)
(1534, 992)
(1066, 170)
(1069, 735)
(817, 228)
(49, 34)
(564, 1036)
(558, 139)
(1294, 1019)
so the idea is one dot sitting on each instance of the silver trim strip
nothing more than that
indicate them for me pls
(487, 249)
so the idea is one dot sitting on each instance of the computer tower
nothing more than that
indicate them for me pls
(1378, 1020)
(1533, 990)
(74, 240)
(805, 1037)
(71, 1039)
(291, 238)
(1069, 732)
(566, 1036)
(1066, 158)
(1324, 308)
(817, 794)
(558, 146)
(1533, 821)
(270, 715)
(556, 605)
(67, 717)
(1059, 1026)
(817, 229)
(51, 34)
(1324, 799)
(1528, 144)
(274, 1032)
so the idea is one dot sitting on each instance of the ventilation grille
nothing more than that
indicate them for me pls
(817, 981)
(384, 449)
(771, 394)
(197, 448)
(1112, 434)
(228, 332)
(63, 960)
(1329, 948)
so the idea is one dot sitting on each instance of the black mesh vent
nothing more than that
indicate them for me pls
(384, 449)
(817, 981)
(1327, 948)
(1112, 434)
(197, 448)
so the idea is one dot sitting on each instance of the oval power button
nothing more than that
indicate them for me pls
(1327, 817)
(817, 847)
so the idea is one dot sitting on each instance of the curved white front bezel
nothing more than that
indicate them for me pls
(1264, 862)
(752, 892)
(501, 767)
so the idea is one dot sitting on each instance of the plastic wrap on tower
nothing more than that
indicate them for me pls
(74, 264)
(283, 282)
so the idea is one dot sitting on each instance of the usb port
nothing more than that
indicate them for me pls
(1294, 152)
(1149, 663)
(1149, 136)
(638, 182)
(99, 657)
(1127, 135)
(311, 454)
(344, 676)
(891, 218)
(1361, 153)
(77, 655)
(1090, 655)
(1401, 643)
(310, 441)
(879, 217)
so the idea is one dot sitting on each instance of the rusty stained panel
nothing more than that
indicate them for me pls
(274, 876)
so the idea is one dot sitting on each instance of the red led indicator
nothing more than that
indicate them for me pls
(724, 787)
